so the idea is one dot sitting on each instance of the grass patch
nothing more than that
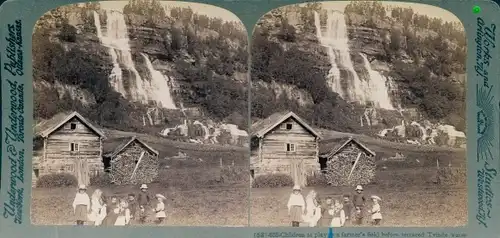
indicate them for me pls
(197, 207)
(412, 207)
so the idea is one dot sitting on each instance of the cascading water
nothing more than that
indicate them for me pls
(377, 88)
(336, 41)
(117, 41)
(159, 86)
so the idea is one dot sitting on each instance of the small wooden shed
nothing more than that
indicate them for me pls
(132, 162)
(284, 143)
(351, 162)
(67, 143)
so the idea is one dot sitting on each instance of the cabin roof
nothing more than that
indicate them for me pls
(262, 127)
(338, 149)
(126, 142)
(46, 127)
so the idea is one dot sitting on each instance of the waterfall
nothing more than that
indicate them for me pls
(335, 40)
(377, 88)
(124, 77)
(117, 41)
(159, 86)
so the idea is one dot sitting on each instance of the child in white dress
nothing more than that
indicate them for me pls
(338, 214)
(81, 205)
(296, 206)
(97, 208)
(159, 210)
(375, 211)
(123, 214)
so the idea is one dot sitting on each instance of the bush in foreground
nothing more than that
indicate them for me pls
(318, 179)
(57, 180)
(100, 180)
(273, 181)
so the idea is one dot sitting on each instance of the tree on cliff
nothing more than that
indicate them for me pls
(153, 10)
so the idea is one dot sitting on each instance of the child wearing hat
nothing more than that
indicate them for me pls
(296, 206)
(376, 214)
(81, 205)
(358, 200)
(143, 202)
(160, 209)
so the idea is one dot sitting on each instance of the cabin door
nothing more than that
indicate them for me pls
(298, 172)
(82, 171)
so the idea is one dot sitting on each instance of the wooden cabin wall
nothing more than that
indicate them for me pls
(275, 158)
(122, 166)
(59, 158)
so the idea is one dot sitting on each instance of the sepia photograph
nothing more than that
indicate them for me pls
(358, 116)
(140, 115)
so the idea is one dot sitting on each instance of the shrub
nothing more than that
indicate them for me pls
(102, 179)
(273, 181)
(318, 179)
(452, 176)
(57, 180)
(68, 33)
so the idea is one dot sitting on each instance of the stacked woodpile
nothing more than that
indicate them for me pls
(350, 167)
(134, 164)
(339, 171)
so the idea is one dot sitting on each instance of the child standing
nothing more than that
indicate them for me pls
(160, 209)
(347, 208)
(132, 205)
(97, 209)
(376, 214)
(296, 206)
(111, 215)
(123, 214)
(326, 217)
(143, 202)
(358, 200)
(81, 205)
(358, 216)
(338, 214)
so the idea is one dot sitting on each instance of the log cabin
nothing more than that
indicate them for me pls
(132, 162)
(67, 143)
(284, 143)
(354, 163)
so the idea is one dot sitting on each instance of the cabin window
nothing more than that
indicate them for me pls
(289, 126)
(252, 173)
(74, 147)
(72, 126)
(290, 147)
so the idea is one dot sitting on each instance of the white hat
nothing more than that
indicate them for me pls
(82, 187)
(161, 196)
(376, 197)
(296, 187)
(359, 188)
(144, 186)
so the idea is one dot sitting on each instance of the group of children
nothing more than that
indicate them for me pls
(117, 211)
(331, 213)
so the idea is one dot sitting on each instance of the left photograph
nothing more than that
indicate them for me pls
(140, 115)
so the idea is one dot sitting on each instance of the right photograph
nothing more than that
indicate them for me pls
(358, 116)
